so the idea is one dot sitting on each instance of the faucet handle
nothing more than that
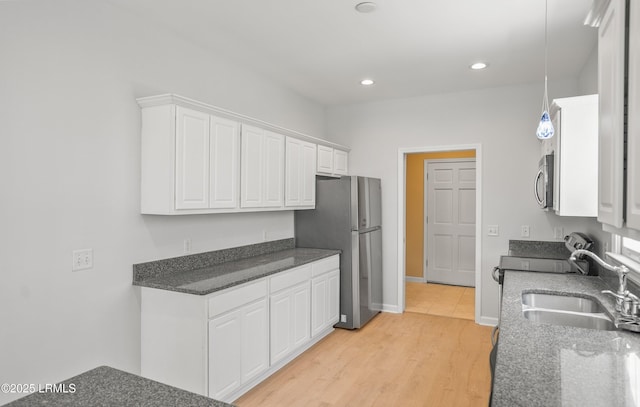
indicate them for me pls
(627, 304)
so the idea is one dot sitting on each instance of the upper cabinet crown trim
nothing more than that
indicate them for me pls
(170, 98)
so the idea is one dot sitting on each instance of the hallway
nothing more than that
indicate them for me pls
(441, 300)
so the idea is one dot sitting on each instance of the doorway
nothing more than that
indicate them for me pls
(450, 220)
(406, 250)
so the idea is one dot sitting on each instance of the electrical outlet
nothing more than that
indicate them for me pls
(343, 318)
(493, 230)
(558, 233)
(82, 259)
(524, 231)
(186, 246)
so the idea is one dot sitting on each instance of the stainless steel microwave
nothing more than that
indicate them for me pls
(543, 185)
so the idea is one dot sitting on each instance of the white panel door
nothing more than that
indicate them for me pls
(225, 348)
(255, 340)
(450, 224)
(293, 171)
(273, 169)
(252, 167)
(308, 179)
(224, 143)
(325, 160)
(340, 162)
(319, 287)
(611, 60)
(633, 136)
(280, 324)
(301, 314)
(192, 159)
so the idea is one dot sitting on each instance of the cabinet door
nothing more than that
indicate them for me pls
(224, 154)
(301, 314)
(252, 164)
(273, 169)
(611, 60)
(293, 169)
(319, 290)
(325, 160)
(333, 297)
(633, 129)
(225, 349)
(192, 159)
(340, 162)
(281, 332)
(308, 177)
(255, 340)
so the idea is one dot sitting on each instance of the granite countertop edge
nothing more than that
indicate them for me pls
(531, 365)
(237, 272)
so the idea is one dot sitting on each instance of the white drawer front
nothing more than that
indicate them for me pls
(325, 265)
(290, 278)
(237, 296)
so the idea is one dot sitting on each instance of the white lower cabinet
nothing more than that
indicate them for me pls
(221, 345)
(290, 325)
(325, 295)
(238, 348)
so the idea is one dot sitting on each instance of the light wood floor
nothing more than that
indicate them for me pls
(437, 299)
(410, 359)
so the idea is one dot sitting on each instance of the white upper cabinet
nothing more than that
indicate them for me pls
(300, 173)
(633, 127)
(262, 175)
(200, 159)
(611, 70)
(332, 162)
(190, 161)
(575, 152)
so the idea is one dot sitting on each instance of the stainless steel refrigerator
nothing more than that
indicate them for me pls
(348, 217)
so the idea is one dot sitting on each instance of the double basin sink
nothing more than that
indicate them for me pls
(566, 310)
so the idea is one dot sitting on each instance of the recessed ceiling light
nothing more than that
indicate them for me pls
(367, 82)
(366, 7)
(478, 65)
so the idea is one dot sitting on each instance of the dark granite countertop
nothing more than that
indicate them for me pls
(106, 386)
(551, 365)
(216, 277)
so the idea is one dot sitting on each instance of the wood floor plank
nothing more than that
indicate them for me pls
(408, 359)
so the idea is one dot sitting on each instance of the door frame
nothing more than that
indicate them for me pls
(425, 202)
(401, 250)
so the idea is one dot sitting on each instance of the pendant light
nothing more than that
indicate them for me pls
(545, 127)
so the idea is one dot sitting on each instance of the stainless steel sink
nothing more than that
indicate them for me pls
(565, 310)
(561, 302)
(576, 319)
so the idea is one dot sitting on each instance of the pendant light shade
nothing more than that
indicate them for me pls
(545, 127)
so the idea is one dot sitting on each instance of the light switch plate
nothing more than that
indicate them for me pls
(82, 259)
(493, 230)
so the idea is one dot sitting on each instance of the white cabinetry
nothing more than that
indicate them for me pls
(290, 311)
(332, 161)
(190, 161)
(325, 295)
(633, 129)
(575, 148)
(300, 173)
(611, 72)
(262, 175)
(617, 183)
(222, 344)
(238, 338)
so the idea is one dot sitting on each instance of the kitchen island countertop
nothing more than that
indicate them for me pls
(552, 365)
(106, 386)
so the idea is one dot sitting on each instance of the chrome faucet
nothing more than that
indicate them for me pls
(624, 299)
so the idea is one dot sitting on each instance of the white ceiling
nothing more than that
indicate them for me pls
(321, 49)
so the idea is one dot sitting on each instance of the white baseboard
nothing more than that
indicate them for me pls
(410, 279)
(488, 321)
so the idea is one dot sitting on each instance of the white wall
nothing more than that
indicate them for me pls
(502, 120)
(70, 155)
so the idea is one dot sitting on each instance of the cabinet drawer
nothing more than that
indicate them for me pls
(325, 265)
(290, 278)
(236, 297)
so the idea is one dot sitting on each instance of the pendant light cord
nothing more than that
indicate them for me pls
(545, 99)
